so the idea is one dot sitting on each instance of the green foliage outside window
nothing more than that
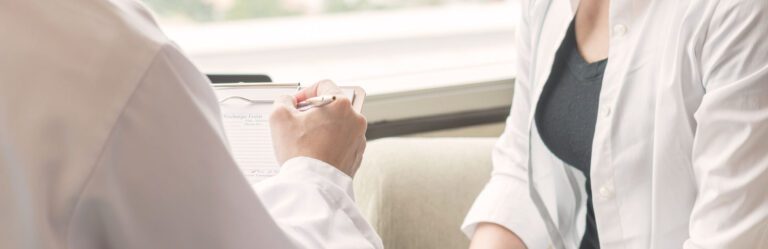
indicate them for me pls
(209, 10)
(246, 9)
(195, 10)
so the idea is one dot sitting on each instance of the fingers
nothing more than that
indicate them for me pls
(286, 101)
(324, 87)
(359, 151)
(283, 106)
(342, 103)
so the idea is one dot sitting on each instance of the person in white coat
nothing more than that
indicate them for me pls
(111, 138)
(672, 148)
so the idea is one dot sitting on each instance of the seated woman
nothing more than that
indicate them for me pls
(635, 124)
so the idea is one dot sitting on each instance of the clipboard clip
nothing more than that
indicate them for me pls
(252, 101)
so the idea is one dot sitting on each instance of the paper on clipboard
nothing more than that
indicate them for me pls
(245, 110)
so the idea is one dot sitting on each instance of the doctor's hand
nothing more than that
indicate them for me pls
(334, 133)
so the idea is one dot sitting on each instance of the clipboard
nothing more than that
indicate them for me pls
(245, 110)
(357, 96)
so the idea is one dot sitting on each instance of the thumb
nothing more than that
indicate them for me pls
(328, 87)
(324, 87)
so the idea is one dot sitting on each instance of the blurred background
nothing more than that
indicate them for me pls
(223, 10)
(439, 76)
(430, 67)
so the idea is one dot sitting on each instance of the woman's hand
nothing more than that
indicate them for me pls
(493, 236)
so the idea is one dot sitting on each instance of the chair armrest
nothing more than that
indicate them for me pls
(416, 191)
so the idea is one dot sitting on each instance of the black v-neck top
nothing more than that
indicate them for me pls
(567, 113)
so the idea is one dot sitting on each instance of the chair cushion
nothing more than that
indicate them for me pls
(416, 191)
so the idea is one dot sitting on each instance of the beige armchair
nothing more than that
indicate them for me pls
(416, 191)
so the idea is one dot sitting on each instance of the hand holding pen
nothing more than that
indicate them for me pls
(334, 134)
(315, 102)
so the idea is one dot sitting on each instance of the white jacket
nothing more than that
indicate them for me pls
(111, 138)
(680, 152)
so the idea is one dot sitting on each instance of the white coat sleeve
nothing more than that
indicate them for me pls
(730, 152)
(505, 200)
(166, 179)
(313, 200)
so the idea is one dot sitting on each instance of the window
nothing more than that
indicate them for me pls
(200, 11)
(388, 45)
(393, 48)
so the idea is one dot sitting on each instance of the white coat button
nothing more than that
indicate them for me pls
(607, 111)
(606, 191)
(619, 30)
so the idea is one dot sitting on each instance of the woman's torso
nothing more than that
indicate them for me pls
(566, 114)
(643, 184)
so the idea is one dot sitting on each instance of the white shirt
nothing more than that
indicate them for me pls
(111, 138)
(680, 152)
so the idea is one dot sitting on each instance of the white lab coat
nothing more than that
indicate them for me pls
(680, 152)
(111, 138)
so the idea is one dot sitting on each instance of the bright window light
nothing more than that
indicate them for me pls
(384, 45)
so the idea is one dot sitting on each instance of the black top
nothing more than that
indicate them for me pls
(566, 116)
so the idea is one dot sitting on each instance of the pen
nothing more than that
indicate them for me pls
(315, 102)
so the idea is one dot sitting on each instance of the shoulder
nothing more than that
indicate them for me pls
(135, 19)
(739, 11)
(116, 33)
(736, 21)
